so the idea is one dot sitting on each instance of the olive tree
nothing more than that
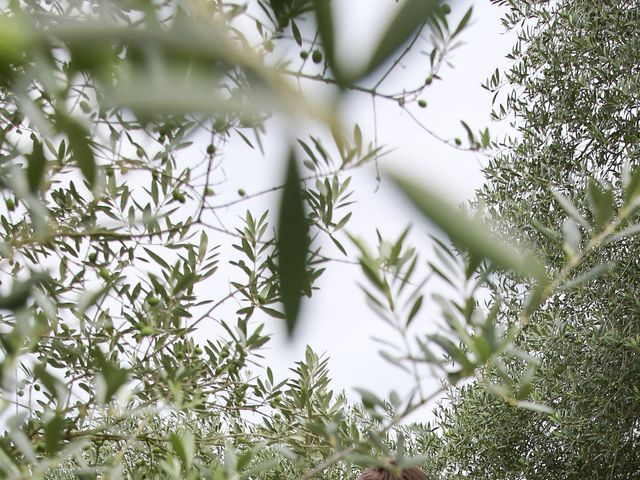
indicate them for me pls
(562, 186)
(114, 122)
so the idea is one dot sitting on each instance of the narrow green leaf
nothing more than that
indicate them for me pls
(415, 309)
(112, 377)
(470, 136)
(184, 446)
(395, 361)
(467, 232)
(536, 407)
(80, 146)
(463, 23)
(410, 18)
(53, 385)
(601, 203)
(369, 399)
(570, 208)
(572, 237)
(588, 275)
(631, 185)
(453, 351)
(547, 232)
(296, 33)
(626, 232)
(157, 258)
(53, 434)
(324, 18)
(36, 166)
(292, 244)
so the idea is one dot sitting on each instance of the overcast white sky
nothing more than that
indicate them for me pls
(336, 320)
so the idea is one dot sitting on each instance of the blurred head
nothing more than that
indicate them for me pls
(378, 473)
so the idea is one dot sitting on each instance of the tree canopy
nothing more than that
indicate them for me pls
(558, 187)
(115, 116)
(114, 121)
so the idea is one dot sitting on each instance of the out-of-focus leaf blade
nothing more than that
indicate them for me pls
(469, 233)
(570, 208)
(36, 166)
(626, 232)
(587, 276)
(410, 17)
(572, 237)
(184, 446)
(80, 145)
(463, 23)
(601, 203)
(53, 433)
(292, 245)
(324, 18)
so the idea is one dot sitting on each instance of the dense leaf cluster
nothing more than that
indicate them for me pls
(132, 310)
(572, 93)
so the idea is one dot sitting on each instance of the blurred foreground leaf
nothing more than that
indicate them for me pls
(292, 244)
(468, 232)
(407, 21)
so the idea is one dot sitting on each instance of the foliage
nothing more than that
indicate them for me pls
(115, 116)
(565, 186)
(125, 353)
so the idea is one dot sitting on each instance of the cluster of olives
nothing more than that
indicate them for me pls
(316, 55)
(234, 364)
(186, 348)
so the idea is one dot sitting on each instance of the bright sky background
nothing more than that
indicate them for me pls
(336, 321)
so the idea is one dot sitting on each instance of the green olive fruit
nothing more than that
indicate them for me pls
(147, 330)
(153, 301)
(304, 54)
(11, 205)
(104, 273)
(316, 56)
(458, 141)
(179, 196)
(211, 149)
(422, 103)
(93, 256)
(446, 9)
(241, 192)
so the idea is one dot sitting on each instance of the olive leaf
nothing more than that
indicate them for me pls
(80, 146)
(36, 166)
(411, 16)
(292, 244)
(468, 232)
(324, 18)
